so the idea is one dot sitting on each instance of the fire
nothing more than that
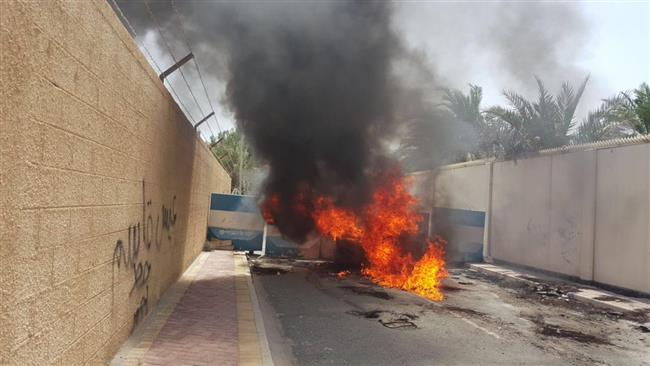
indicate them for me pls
(380, 229)
(269, 207)
(343, 274)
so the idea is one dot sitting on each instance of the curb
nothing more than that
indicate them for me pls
(600, 298)
(243, 270)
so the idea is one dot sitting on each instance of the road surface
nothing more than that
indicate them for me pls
(314, 318)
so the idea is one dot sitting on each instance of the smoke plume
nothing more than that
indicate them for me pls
(323, 89)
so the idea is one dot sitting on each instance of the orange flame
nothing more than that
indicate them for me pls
(269, 206)
(343, 274)
(379, 229)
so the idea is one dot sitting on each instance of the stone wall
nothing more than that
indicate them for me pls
(105, 185)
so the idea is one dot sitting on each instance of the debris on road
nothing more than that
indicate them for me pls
(277, 266)
(388, 319)
(539, 317)
(551, 290)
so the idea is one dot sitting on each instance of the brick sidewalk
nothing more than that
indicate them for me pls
(211, 324)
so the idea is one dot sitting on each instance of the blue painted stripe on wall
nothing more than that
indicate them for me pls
(455, 216)
(232, 202)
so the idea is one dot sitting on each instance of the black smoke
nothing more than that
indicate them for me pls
(325, 91)
(312, 86)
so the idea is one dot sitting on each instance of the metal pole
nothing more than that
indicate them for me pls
(175, 66)
(203, 120)
(241, 162)
(264, 240)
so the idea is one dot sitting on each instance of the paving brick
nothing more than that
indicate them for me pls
(202, 330)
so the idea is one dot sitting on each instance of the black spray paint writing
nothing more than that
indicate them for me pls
(143, 235)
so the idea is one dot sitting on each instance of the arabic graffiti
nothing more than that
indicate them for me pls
(134, 255)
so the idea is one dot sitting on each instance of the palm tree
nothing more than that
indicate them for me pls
(464, 108)
(490, 134)
(235, 156)
(632, 109)
(538, 124)
(600, 124)
(623, 115)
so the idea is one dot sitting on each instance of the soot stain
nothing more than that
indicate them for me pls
(458, 309)
(388, 319)
(263, 271)
(371, 314)
(556, 331)
(366, 291)
(610, 298)
(448, 288)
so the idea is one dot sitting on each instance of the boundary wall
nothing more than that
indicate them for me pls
(105, 186)
(582, 212)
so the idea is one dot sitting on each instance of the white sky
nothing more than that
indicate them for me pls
(616, 54)
(619, 49)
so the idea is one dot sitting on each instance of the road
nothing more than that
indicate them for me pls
(314, 318)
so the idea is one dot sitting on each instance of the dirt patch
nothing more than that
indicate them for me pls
(458, 309)
(556, 294)
(529, 278)
(448, 288)
(368, 291)
(556, 331)
(610, 298)
(643, 329)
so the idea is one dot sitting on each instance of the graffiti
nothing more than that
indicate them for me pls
(142, 310)
(133, 254)
(128, 256)
(141, 273)
(169, 218)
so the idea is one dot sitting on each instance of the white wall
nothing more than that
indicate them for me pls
(622, 248)
(460, 203)
(462, 186)
(520, 204)
(543, 212)
(582, 213)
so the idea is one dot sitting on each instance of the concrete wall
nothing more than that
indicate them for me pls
(462, 186)
(104, 185)
(542, 212)
(583, 213)
(622, 242)
(460, 203)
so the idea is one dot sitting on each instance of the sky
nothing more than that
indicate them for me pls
(474, 42)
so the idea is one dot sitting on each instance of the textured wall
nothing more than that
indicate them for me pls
(104, 185)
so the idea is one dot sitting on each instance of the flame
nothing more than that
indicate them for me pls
(343, 274)
(380, 229)
(269, 207)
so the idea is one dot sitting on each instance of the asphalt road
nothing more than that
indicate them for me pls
(314, 318)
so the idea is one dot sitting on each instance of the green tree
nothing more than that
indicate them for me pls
(642, 108)
(599, 124)
(539, 124)
(489, 134)
(236, 157)
(623, 115)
